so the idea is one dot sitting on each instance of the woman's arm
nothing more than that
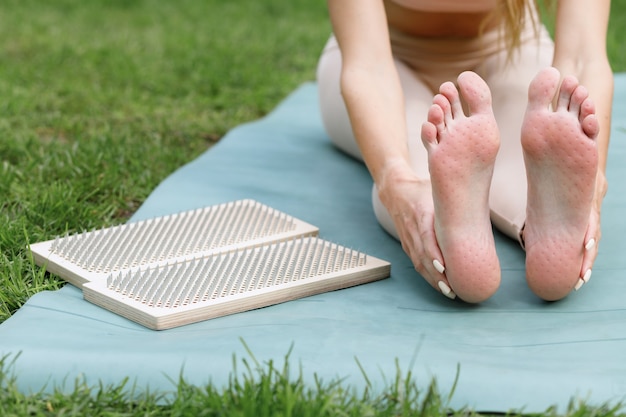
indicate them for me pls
(580, 50)
(370, 85)
(371, 89)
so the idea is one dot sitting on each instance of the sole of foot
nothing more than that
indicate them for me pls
(561, 159)
(461, 155)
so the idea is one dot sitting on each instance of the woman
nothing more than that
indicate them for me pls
(519, 141)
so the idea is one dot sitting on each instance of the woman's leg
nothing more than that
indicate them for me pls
(459, 153)
(509, 90)
(332, 108)
(561, 158)
(545, 172)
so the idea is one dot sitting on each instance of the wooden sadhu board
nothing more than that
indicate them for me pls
(205, 263)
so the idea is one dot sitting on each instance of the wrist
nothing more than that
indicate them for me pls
(396, 182)
(394, 172)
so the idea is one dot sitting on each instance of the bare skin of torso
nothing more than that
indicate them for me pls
(435, 24)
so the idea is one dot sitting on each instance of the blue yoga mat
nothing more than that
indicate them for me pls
(513, 351)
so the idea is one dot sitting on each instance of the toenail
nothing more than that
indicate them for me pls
(579, 284)
(587, 276)
(590, 244)
(438, 266)
(447, 291)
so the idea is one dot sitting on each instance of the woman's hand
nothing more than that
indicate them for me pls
(594, 231)
(409, 202)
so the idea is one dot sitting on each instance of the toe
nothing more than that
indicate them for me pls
(475, 92)
(543, 88)
(449, 91)
(429, 134)
(565, 99)
(444, 104)
(578, 97)
(587, 108)
(588, 118)
(590, 126)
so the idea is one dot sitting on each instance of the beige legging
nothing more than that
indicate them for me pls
(423, 65)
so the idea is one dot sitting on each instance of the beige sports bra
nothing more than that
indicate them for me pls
(451, 6)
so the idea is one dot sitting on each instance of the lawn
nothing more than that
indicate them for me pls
(100, 100)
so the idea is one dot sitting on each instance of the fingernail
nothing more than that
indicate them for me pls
(439, 267)
(579, 284)
(447, 291)
(587, 276)
(590, 244)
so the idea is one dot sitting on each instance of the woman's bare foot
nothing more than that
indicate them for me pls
(561, 163)
(461, 154)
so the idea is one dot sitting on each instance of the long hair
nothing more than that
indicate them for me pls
(513, 15)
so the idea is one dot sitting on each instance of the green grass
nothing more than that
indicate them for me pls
(258, 390)
(99, 101)
(616, 38)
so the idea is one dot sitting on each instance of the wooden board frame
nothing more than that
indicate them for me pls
(223, 218)
(327, 267)
(200, 264)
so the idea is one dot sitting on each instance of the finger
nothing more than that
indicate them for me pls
(434, 274)
(590, 250)
(429, 264)
(589, 258)
(434, 263)
(420, 244)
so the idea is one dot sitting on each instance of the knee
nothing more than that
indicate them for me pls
(334, 114)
